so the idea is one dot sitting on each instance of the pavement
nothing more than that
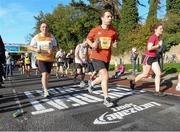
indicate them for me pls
(72, 108)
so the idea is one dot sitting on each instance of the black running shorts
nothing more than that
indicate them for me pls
(44, 66)
(98, 65)
(149, 60)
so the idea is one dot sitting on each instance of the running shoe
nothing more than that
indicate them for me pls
(90, 87)
(82, 84)
(58, 77)
(74, 79)
(108, 103)
(177, 87)
(132, 84)
(46, 94)
(62, 75)
(160, 94)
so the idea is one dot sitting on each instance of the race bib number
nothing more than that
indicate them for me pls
(44, 46)
(105, 42)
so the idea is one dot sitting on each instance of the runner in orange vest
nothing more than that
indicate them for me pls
(101, 39)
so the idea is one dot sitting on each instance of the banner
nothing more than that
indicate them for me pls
(15, 48)
(10, 49)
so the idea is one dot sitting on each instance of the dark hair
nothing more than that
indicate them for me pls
(155, 26)
(104, 11)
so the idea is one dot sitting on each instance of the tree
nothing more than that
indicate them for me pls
(128, 22)
(61, 26)
(152, 14)
(69, 25)
(39, 19)
(172, 22)
(173, 6)
(129, 15)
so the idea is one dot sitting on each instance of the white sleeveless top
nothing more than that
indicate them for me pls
(82, 52)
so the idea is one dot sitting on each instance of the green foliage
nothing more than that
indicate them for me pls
(39, 19)
(111, 67)
(129, 22)
(172, 30)
(152, 14)
(122, 47)
(68, 24)
(173, 6)
(71, 24)
(172, 22)
(129, 16)
(171, 68)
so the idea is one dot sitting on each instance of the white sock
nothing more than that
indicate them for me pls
(45, 90)
(105, 96)
(178, 84)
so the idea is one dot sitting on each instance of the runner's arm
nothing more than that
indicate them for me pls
(54, 46)
(33, 48)
(90, 43)
(115, 44)
(77, 54)
(151, 47)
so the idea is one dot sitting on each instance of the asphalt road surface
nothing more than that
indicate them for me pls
(72, 108)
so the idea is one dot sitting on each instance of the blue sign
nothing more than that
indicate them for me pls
(12, 48)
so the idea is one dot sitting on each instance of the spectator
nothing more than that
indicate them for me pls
(120, 71)
(60, 57)
(8, 64)
(69, 60)
(134, 55)
(81, 54)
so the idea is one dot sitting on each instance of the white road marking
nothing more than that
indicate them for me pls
(36, 104)
(75, 99)
(42, 111)
(78, 101)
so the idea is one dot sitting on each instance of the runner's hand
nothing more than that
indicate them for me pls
(94, 45)
(50, 51)
(115, 44)
(160, 43)
(38, 50)
(81, 62)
